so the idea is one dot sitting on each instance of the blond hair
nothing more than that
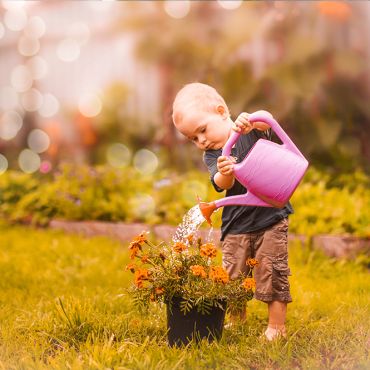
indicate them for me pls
(196, 95)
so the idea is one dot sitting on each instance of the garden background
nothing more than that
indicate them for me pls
(86, 135)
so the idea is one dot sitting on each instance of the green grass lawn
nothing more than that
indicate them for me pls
(63, 305)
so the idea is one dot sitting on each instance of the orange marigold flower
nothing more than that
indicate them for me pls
(134, 249)
(249, 283)
(140, 239)
(144, 258)
(208, 250)
(218, 274)
(190, 238)
(140, 276)
(198, 270)
(131, 266)
(178, 247)
(138, 282)
(159, 291)
(252, 262)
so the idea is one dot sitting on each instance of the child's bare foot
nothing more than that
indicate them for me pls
(273, 333)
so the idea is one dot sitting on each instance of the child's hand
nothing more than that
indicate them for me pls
(225, 165)
(242, 124)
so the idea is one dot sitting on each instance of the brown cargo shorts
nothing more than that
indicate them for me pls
(270, 247)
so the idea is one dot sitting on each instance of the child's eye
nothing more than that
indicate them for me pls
(203, 130)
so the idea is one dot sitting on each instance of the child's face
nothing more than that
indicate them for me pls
(205, 129)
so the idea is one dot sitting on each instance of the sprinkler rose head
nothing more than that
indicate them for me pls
(207, 209)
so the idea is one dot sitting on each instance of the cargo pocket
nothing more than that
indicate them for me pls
(281, 271)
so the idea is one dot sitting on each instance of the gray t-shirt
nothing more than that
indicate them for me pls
(243, 219)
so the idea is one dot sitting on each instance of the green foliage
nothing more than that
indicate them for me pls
(323, 209)
(324, 203)
(187, 270)
(43, 270)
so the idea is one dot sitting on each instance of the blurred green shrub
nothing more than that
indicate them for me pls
(322, 204)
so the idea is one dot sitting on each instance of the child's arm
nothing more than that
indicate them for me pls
(224, 178)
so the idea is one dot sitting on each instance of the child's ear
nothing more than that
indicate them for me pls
(222, 111)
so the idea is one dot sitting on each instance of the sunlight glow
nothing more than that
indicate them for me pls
(177, 9)
(230, 4)
(68, 50)
(28, 46)
(145, 161)
(12, 5)
(90, 105)
(35, 27)
(21, 78)
(80, 32)
(2, 31)
(38, 140)
(10, 123)
(32, 100)
(50, 106)
(142, 205)
(3, 164)
(38, 67)
(29, 161)
(8, 98)
(118, 155)
(15, 19)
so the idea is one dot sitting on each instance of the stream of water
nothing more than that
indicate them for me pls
(190, 225)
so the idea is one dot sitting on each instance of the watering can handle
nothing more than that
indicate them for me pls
(263, 116)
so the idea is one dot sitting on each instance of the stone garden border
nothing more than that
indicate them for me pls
(336, 246)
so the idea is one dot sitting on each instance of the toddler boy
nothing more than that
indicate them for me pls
(201, 114)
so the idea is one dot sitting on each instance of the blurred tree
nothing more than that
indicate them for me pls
(303, 61)
(116, 124)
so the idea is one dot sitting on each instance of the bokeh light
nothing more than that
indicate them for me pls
(21, 78)
(38, 67)
(145, 161)
(230, 4)
(8, 98)
(35, 27)
(142, 205)
(177, 9)
(10, 123)
(118, 155)
(28, 46)
(32, 100)
(38, 140)
(11, 4)
(2, 31)
(29, 161)
(68, 50)
(90, 105)
(80, 32)
(45, 167)
(3, 164)
(50, 106)
(15, 19)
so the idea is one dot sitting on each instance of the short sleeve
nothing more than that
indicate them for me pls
(210, 160)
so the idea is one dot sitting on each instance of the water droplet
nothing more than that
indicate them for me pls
(189, 225)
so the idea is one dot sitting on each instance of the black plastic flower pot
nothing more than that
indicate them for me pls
(183, 328)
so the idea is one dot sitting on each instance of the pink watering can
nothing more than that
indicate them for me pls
(270, 172)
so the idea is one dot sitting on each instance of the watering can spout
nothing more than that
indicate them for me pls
(207, 210)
